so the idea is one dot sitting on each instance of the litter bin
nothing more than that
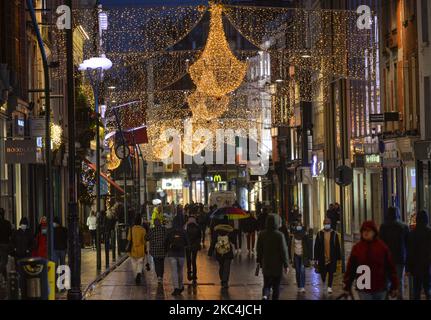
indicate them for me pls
(33, 273)
(121, 237)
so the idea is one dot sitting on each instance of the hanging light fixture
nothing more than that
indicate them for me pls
(217, 71)
(205, 107)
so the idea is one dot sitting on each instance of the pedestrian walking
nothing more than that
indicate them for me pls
(419, 256)
(193, 233)
(394, 234)
(237, 237)
(22, 242)
(41, 243)
(293, 215)
(222, 248)
(136, 236)
(156, 237)
(5, 237)
(202, 220)
(261, 219)
(300, 253)
(272, 257)
(373, 253)
(92, 227)
(157, 214)
(327, 252)
(249, 227)
(60, 243)
(175, 246)
(334, 214)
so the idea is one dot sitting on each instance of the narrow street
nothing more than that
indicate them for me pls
(244, 285)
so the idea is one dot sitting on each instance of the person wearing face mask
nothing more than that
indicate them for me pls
(327, 252)
(60, 242)
(299, 253)
(22, 242)
(41, 249)
(372, 252)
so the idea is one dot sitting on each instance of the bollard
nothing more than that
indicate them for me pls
(33, 279)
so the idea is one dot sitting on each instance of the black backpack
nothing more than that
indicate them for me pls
(177, 242)
(193, 233)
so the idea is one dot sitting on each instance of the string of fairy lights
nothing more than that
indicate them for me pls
(307, 49)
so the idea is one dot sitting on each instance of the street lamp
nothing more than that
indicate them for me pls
(94, 67)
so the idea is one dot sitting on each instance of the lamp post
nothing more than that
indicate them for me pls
(94, 68)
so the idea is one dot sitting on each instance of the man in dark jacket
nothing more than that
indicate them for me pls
(5, 235)
(394, 234)
(175, 246)
(60, 242)
(193, 234)
(419, 256)
(261, 219)
(22, 242)
(327, 252)
(221, 246)
(272, 256)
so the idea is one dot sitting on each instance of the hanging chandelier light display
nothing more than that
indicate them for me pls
(205, 107)
(217, 71)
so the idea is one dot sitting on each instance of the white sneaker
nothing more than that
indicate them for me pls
(264, 298)
(301, 290)
(329, 290)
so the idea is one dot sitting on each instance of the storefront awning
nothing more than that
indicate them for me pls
(105, 177)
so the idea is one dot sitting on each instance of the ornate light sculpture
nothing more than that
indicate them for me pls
(205, 107)
(217, 71)
(112, 161)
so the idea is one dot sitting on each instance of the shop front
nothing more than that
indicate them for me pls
(422, 175)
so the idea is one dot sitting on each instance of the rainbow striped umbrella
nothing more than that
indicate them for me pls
(231, 212)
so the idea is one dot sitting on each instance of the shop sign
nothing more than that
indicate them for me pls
(37, 127)
(317, 167)
(372, 159)
(22, 151)
(172, 184)
(217, 178)
(391, 155)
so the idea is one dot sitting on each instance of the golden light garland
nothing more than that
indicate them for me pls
(112, 161)
(217, 72)
(56, 136)
(207, 107)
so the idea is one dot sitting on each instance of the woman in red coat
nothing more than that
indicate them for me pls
(41, 249)
(373, 253)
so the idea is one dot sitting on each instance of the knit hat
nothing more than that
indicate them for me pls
(371, 225)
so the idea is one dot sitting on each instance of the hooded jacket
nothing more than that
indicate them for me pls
(22, 242)
(394, 234)
(419, 246)
(272, 248)
(376, 255)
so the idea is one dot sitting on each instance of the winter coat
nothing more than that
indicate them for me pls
(157, 215)
(376, 255)
(41, 246)
(5, 231)
(248, 225)
(272, 249)
(194, 236)
(394, 234)
(137, 235)
(60, 238)
(176, 243)
(22, 243)
(156, 236)
(261, 221)
(419, 247)
(221, 230)
(306, 250)
(334, 251)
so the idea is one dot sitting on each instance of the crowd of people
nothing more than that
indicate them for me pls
(24, 243)
(390, 251)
